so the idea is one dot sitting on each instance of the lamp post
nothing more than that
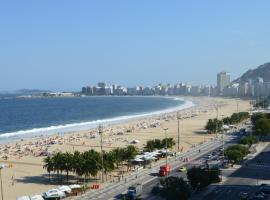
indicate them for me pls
(178, 137)
(222, 139)
(100, 131)
(216, 107)
(2, 166)
(166, 143)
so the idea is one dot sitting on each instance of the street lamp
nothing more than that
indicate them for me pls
(100, 131)
(2, 166)
(166, 143)
(165, 130)
(216, 107)
(222, 138)
(178, 119)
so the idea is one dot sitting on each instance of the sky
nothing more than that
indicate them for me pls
(64, 44)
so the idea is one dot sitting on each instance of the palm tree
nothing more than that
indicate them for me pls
(67, 163)
(119, 155)
(91, 163)
(57, 160)
(48, 164)
(130, 152)
(108, 162)
(78, 163)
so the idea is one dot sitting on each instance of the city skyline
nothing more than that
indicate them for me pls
(63, 45)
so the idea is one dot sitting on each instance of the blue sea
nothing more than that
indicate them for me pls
(29, 117)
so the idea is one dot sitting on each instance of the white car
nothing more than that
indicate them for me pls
(75, 186)
(23, 198)
(65, 188)
(54, 193)
(36, 197)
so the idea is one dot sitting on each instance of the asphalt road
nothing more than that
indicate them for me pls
(147, 188)
(245, 179)
(147, 176)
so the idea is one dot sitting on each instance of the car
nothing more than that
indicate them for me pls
(261, 194)
(182, 169)
(36, 197)
(23, 198)
(64, 188)
(243, 195)
(265, 185)
(265, 190)
(258, 197)
(54, 193)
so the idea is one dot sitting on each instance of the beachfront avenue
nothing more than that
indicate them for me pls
(112, 190)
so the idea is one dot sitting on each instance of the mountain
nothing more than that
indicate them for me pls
(262, 71)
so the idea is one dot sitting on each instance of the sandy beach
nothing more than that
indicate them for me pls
(27, 176)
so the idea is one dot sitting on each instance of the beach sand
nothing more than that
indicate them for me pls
(27, 176)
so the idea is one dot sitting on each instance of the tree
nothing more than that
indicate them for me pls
(130, 153)
(68, 163)
(200, 178)
(236, 118)
(170, 142)
(78, 163)
(213, 125)
(108, 162)
(248, 140)
(193, 176)
(262, 126)
(257, 116)
(119, 154)
(57, 160)
(151, 145)
(48, 165)
(236, 153)
(175, 188)
(91, 163)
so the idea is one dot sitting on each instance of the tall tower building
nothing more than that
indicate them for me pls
(223, 80)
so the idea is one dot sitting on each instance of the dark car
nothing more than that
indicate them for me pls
(258, 198)
(265, 190)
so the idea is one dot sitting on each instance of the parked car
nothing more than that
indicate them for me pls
(36, 197)
(243, 195)
(182, 169)
(23, 198)
(64, 188)
(54, 194)
(258, 198)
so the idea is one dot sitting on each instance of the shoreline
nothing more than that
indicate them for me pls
(10, 137)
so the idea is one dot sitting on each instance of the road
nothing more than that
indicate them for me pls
(148, 176)
(148, 187)
(245, 179)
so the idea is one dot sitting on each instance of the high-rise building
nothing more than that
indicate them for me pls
(223, 80)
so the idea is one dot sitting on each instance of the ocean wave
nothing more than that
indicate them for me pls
(92, 124)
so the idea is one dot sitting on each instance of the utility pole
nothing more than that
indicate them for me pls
(2, 195)
(100, 131)
(178, 118)
(217, 121)
(165, 130)
(2, 167)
